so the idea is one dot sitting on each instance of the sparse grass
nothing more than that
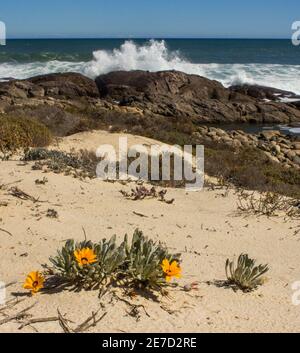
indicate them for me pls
(251, 169)
(268, 204)
(81, 165)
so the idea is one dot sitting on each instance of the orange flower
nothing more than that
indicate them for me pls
(85, 256)
(171, 269)
(34, 282)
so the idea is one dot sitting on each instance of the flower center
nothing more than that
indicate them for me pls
(35, 284)
(84, 260)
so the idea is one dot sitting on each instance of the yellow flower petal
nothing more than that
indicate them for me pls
(165, 265)
(34, 282)
(85, 256)
(174, 266)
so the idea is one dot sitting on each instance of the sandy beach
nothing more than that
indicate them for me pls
(204, 226)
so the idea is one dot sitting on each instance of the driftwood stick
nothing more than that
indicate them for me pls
(36, 321)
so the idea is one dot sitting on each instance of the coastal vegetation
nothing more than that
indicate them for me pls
(171, 107)
(138, 264)
(245, 275)
(21, 133)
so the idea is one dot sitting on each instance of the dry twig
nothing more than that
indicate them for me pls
(20, 315)
(16, 192)
(36, 321)
(6, 231)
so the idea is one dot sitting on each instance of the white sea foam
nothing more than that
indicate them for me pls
(155, 56)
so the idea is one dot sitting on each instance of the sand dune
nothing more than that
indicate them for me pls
(203, 226)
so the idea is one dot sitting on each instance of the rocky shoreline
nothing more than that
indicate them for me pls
(69, 103)
(168, 94)
(276, 146)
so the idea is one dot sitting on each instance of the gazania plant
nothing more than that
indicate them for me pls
(87, 265)
(139, 263)
(146, 262)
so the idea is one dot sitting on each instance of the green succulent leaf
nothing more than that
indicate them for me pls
(245, 274)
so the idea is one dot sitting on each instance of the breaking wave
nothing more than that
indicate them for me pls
(155, 56)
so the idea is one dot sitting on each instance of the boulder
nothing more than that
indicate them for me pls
(66, 85)
(59, 86)
(263, 92)
(269, 134)
(296, 160)
(179, 95)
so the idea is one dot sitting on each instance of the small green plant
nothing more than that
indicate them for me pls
(245, 275)
(143, 266)
(87, 265)
(140, 264)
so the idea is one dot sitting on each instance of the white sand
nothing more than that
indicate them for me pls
(203, 226)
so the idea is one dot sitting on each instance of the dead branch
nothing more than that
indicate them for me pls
(36, 321)
(87, 325)
(63, 323)
(18, 193)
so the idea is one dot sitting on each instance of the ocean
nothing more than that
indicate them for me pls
(273, 63)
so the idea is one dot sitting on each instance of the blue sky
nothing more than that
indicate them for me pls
(149, 18)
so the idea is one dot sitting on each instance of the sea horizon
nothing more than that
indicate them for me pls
(271, 62)
(149, 37)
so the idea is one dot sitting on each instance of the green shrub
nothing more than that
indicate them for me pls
(16, 133)
(109, 257)
(245, 275)
(137, 264)
(143, 267)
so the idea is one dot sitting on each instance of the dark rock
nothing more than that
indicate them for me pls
(176, 94)
(169, 94)
(295, 104)
(59, 86)
(68, 85)
(263, 92)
